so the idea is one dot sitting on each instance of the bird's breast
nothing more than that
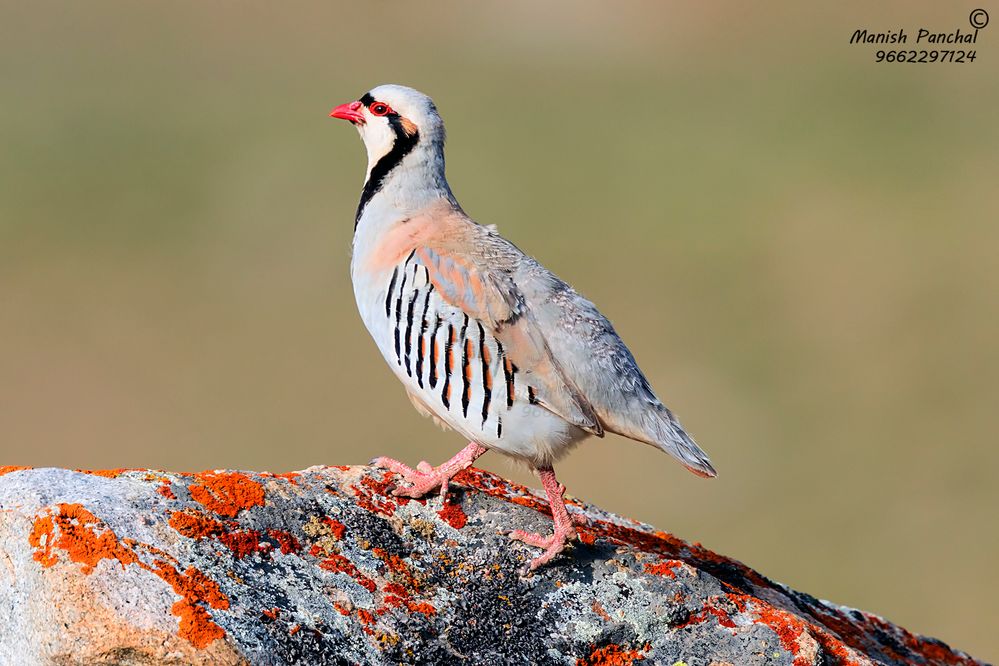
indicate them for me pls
(453, 365)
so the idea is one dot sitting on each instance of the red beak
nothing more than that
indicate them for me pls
(351, 112)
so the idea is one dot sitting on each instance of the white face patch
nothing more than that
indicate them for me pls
(378, 137)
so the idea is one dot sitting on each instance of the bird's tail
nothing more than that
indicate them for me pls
(669, 435)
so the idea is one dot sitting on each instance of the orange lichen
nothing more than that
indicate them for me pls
(86, 540)
(7, 469)
(366, 618)
(270, 613)
(663, 568)
(496, 486)
(166, 491)
(710, 609)
(393, 600)
(226, 494)
(398, 570)
(936, 652)
(78, 537)
(661, 543)
(722, 617)
(791, 629)
(845, 635)
(402, 585)
(339, 564)
(193, 586)
(243, 543)
(838, 631)
(194, 524)
(107, 473)
(196, 624)
(787, 627)
(287, 542)
(421, 607)
(336, 527)
(375, 496)
(453, 515)
(287, 476)
(42, 540)
(611, 655)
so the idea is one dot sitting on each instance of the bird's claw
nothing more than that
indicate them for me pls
(552, 544)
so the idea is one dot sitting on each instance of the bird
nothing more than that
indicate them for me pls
(486, 341)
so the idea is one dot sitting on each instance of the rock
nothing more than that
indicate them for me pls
(324, 566)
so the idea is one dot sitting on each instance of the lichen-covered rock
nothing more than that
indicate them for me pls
(325, 566)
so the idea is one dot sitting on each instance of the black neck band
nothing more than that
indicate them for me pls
(403, 145)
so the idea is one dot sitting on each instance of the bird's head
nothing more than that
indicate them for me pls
(404, 138)
(392, 118)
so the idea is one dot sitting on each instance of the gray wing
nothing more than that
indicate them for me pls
(594, 359)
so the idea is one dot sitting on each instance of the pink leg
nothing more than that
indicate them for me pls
(425, 478)
(565, 529)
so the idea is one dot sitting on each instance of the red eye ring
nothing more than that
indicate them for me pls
(380, 109)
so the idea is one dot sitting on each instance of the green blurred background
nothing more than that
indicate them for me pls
(798, 244)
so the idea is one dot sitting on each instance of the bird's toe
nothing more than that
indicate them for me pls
(392, 465)
(531, 538)
(552, 544)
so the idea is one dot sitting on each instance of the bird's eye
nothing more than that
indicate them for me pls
(380, 109)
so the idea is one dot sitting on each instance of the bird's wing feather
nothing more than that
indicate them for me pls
(455, 252)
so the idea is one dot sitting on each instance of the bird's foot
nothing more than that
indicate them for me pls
(565, 523)
(425, 477)
(552, 544)
(421, 480)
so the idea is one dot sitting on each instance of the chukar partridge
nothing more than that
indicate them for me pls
(483, 337)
